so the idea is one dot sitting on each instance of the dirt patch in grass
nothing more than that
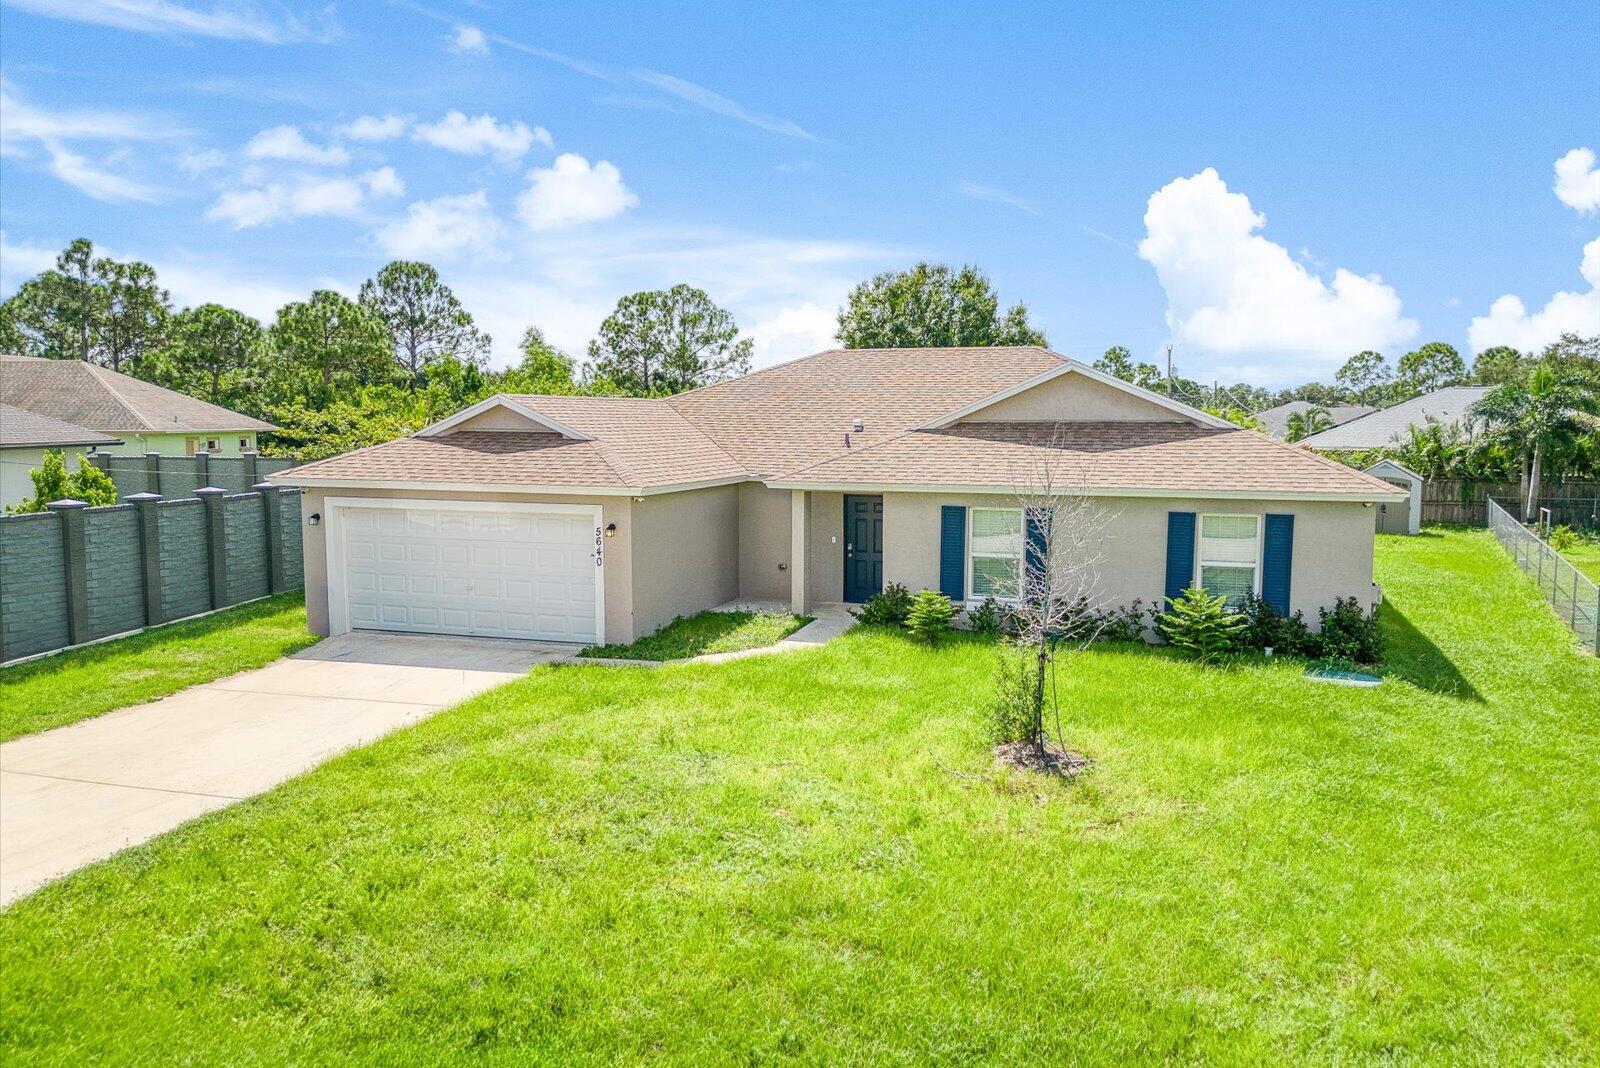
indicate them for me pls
(1053, 760)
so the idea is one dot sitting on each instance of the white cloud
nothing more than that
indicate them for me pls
(1236, 295)
(977, 191)
(442, 227)
(483, 135)
(55, 132)
(1510, 323)
(222, 20)
(572, 191)
(383, 182)
(469, 41)
(340, 197)
(287, 142)
(1578, 180)
(795, 330)
(374, 128)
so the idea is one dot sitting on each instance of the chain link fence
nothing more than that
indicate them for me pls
(1575, 598)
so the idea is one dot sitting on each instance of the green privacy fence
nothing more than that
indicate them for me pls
(75, 574)
(180, 476)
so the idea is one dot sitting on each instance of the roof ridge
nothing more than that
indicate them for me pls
(138, 412)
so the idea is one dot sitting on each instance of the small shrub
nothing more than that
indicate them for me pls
(1201, 625)
(1350, 633)
(1267, 628)
(888, 608)
(1122, 624)
(931, 613)
(1011, 714)
(1563, 538)
(989, 618)
(51, 482)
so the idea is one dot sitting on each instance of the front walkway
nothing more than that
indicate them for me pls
(82, 792)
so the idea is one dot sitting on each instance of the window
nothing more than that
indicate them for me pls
(1230, 555)
(211, 445)
(244, 443)
(994, 552)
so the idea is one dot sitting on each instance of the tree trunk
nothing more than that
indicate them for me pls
(1038, 694)
(1533, 483)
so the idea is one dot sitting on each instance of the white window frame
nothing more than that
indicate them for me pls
(1200, 562)
(973, 600)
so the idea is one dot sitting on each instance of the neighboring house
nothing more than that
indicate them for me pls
(1399, 517)
(581, 518)
(1275, 421)
(147, 417)
(24, 439)
(1389, 427)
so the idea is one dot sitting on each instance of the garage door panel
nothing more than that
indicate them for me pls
(507, 574)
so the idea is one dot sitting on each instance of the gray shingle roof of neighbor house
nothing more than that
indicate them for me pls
(20, 428)
(1275, 421)
(791, 422)
(1390, 426)
(102, 399)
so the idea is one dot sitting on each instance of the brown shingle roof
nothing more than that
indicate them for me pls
(1178, 457)
(479, 456)
(101, 399)
(795, 414)
(19, 427)
(788, 423)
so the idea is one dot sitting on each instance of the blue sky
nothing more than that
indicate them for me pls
(1268, 188)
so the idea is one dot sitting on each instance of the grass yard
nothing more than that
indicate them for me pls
(706, 632)
(812, 857)
(1585, 556)
(86, 682)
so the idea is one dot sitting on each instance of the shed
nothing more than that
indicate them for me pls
(1401, 517)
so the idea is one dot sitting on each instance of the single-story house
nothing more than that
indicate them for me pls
(1275, 421)
(820, 480)
(146, 417)
(24, 439)
(1388, 427)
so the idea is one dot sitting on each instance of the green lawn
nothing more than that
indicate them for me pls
(812, 857)
(707, 632)
(1586, 557)
(85, 682)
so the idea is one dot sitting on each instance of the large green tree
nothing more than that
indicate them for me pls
(424, 319)
(1118, 362)
(1365, 376)
(135, 314)
(326, 344)
(213, 352)
(542, 369)
(931, 305)
(1498, 365)
(667, 341)
(1537, 412)
(1301, 425)
(1433, 366)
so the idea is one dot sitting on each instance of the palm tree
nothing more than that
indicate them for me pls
(1535, 413)
(1313, 420)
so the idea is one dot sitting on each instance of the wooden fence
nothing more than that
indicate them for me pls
(1450, 500)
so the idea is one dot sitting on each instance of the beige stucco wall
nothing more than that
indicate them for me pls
(763, 542)
(16, 472)
(619, 555)
(135, 444)
(685, 550)
(498, 418)
(1332, 544)
(1074, 397)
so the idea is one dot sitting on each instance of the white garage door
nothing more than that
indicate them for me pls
(512, 573)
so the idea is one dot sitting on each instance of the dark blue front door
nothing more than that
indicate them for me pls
(863, 547)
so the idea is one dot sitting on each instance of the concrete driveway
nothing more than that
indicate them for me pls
(80, 793)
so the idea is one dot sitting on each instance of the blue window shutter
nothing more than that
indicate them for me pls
(1033, 546)
(1180, 554)
(953, 552)
(1277, 562)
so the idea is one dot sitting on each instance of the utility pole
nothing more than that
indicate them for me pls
(1169, 370)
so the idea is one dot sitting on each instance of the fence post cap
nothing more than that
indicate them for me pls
(210, 491)
(153, 455)
(263, 486)
(63, 505)
(141, 498)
